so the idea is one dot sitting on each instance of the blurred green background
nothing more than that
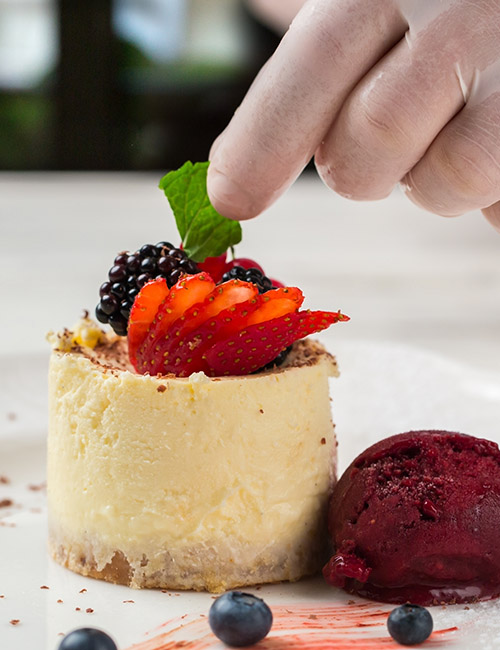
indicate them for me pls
(121, 84)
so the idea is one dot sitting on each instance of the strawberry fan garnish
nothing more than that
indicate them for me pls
(224, 329)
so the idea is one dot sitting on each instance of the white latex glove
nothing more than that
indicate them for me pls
(380, 92)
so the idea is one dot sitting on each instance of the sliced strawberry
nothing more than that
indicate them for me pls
(188, 291)
(275, 303)
(220, 330)
(143, 312)
(258, 344)
(183, 356)
(222, 297)
(187, 341)
(175, 342)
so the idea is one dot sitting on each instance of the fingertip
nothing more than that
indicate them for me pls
(228, 197)
(349, 186)
(492, 214)
(215, 146)
(422, 200)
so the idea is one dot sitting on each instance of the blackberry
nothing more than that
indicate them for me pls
(249, 275)
(130, 272)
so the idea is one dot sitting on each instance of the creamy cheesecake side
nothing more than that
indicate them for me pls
(193, 483)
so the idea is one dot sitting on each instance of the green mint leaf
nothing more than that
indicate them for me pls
(204, 232)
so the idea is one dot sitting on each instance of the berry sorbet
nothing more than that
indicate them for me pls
(416, 517)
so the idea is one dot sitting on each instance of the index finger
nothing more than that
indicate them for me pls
(330, 45)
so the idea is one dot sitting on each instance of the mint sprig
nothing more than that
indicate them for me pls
(204, 232)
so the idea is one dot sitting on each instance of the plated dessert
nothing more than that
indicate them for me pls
(193, 447)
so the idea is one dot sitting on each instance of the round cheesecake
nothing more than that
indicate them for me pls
(195, 483)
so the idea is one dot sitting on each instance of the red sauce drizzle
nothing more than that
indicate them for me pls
(313, 627)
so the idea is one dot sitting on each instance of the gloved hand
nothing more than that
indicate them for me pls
(380, 92)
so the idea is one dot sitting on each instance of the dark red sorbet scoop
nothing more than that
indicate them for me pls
(416, 518)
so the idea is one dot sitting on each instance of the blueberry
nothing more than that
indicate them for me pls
(87, 638)
(409, 624)
(240, 619)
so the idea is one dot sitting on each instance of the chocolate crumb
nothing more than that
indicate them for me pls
(351, 602)
(11, 417)
(59, 601)
(313, 617)
(82, 591)
(261, 410)
(466, 607)
(85, 314)
(37, 488)
(44, 587)
(5, 503)
(161, 388)
(128, 601)
(78, 609)
(89, 610)
(164, 591)
(15, 621)
(2, 596)
(4, 480)
(323, 441)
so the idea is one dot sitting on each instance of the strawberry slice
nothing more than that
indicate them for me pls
(257, 345)
(143, 313)
(185, 356)
(222, 297)
(186, 343)
(220, 330)
(167, 339)
(275, 303)
(188, 290)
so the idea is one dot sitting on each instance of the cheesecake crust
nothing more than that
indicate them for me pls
(199, 568)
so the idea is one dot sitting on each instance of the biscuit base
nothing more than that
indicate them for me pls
(200, 568)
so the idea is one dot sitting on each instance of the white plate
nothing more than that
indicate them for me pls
(383, 390)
